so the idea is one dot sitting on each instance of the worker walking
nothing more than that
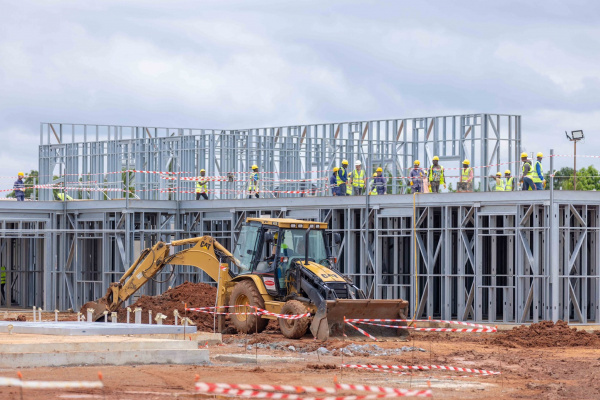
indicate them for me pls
(527, 173)
(466, 177)
(380, 181)
(500, 182)
(202, 186)
(538, 173)
(335, 190)
(416, 175)
(342, 178)
(436, 175)
(19, 187)
(3, 283)
(508, 187)
(358, 179)
(253, 181)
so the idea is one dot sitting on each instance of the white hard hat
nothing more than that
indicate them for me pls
(357, 162)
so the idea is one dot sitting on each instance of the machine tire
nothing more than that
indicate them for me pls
(245, 292)
(293, 328)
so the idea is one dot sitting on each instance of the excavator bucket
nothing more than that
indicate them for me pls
(98, 306)
(331, 323)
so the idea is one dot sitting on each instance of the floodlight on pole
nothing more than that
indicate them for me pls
(575, 137)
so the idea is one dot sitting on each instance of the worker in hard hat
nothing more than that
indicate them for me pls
(342, 178)
(380, 181)
(19, 187)
(509, 186)
(466, 177)
(527, 173)
(538, 172)
(358, 179)
(436, 176)
(417, 176)
(500, 182)
(202, 186)
(335, 190)
(253, 180)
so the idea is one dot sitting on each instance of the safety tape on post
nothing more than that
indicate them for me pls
(259, 311)
(457, 330)
(13, 382)
(360, 330)
(421, 367)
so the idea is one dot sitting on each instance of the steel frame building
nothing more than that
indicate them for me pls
(484, 256)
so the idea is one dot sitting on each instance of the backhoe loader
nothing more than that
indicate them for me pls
(281, 265)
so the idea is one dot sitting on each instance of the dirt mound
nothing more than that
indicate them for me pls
(192, 294)
(545, 334)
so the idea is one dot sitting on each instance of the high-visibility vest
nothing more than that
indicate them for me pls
(358, 178)
(536, 177)
(3, 275)
(530, 173)
(341, 172)
(61, 197)
(432, 174)
(500, 184)
(348, 190)
(201, 185)
(253, 182)
(466, 174)
(509, 184)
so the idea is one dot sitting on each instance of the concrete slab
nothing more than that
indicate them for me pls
(200, 337)
(99, 344)
(73, 328)
(130, 357)
(253, 359)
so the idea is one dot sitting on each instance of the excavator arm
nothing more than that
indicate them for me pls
(206, 254)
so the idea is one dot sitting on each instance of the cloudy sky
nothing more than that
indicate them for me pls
(251, 63)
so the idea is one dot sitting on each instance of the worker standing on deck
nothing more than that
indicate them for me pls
(500, 182)
(335, 190)
(19, 187)
(416, 176)
(358, 179)
(380, 181)
(436, 175)
(342, 178)
(538, 173)
(509, 187)
(527, 173)
(253, 182)
(202, 186)
(466, 177)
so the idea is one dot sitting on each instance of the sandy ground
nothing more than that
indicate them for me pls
(527, 372)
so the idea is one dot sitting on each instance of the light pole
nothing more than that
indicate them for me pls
(575, 137)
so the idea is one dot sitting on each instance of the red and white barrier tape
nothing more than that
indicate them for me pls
(414, 328)
(361, 331)
(420, 320)
(275, 388)
(13, 382)
(421, 367)
(259, 311)
(388, 390)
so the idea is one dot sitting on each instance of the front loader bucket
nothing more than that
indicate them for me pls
(339, 309)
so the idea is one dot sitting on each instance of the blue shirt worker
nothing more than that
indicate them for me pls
(380, 181)
(416, 176)
(342, 178)
(335, 190)
(538, 173)
(253, 182)
(19, 187)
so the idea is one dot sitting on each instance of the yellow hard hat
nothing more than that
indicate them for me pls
(21, 174)
(336, 169)
(498, 173)
(344, 162)
(255, 166)
(375, 175)
(202, 170)
(436, 158)
(417, 162)
(540, 155)
(523, 155)
(507, 172)
(467, 162)
(379, 169)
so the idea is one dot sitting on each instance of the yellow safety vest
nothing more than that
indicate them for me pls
(349, 190)
(509, 184)
(358, 178)
(530, 173)
(500, 184)
(253, 186)
(536, 177)
(339, 180)
(466, 172)
(201, 185)
(61, 197)
(374, 191)
(3, 275)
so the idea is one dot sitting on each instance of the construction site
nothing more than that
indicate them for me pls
(274, 288)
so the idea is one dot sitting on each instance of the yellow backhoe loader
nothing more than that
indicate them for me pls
(281, 265)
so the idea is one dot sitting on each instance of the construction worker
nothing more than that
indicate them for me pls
(342, 179)
(416, 176)
(373, 191)
(500, 182)
(380, 181)
(19, 187)
(253, 182)
(436, 175)
(3, 283)
(527, 173)
(61, 197)
(358, 179)
(538, 172)
(466, 177)
(202, 186)
(509, 181)
(335, 190)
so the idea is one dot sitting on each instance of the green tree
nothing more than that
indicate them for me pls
(30, 181)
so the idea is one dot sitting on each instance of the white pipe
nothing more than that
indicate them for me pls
(138, 315)
(55, 315)
(90, 313)
(33, 313)
(113, 317)
(149, 317)
(40, 314)
(128, 312)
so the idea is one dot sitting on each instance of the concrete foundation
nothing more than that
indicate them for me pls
(253, 359)
(86, 328)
